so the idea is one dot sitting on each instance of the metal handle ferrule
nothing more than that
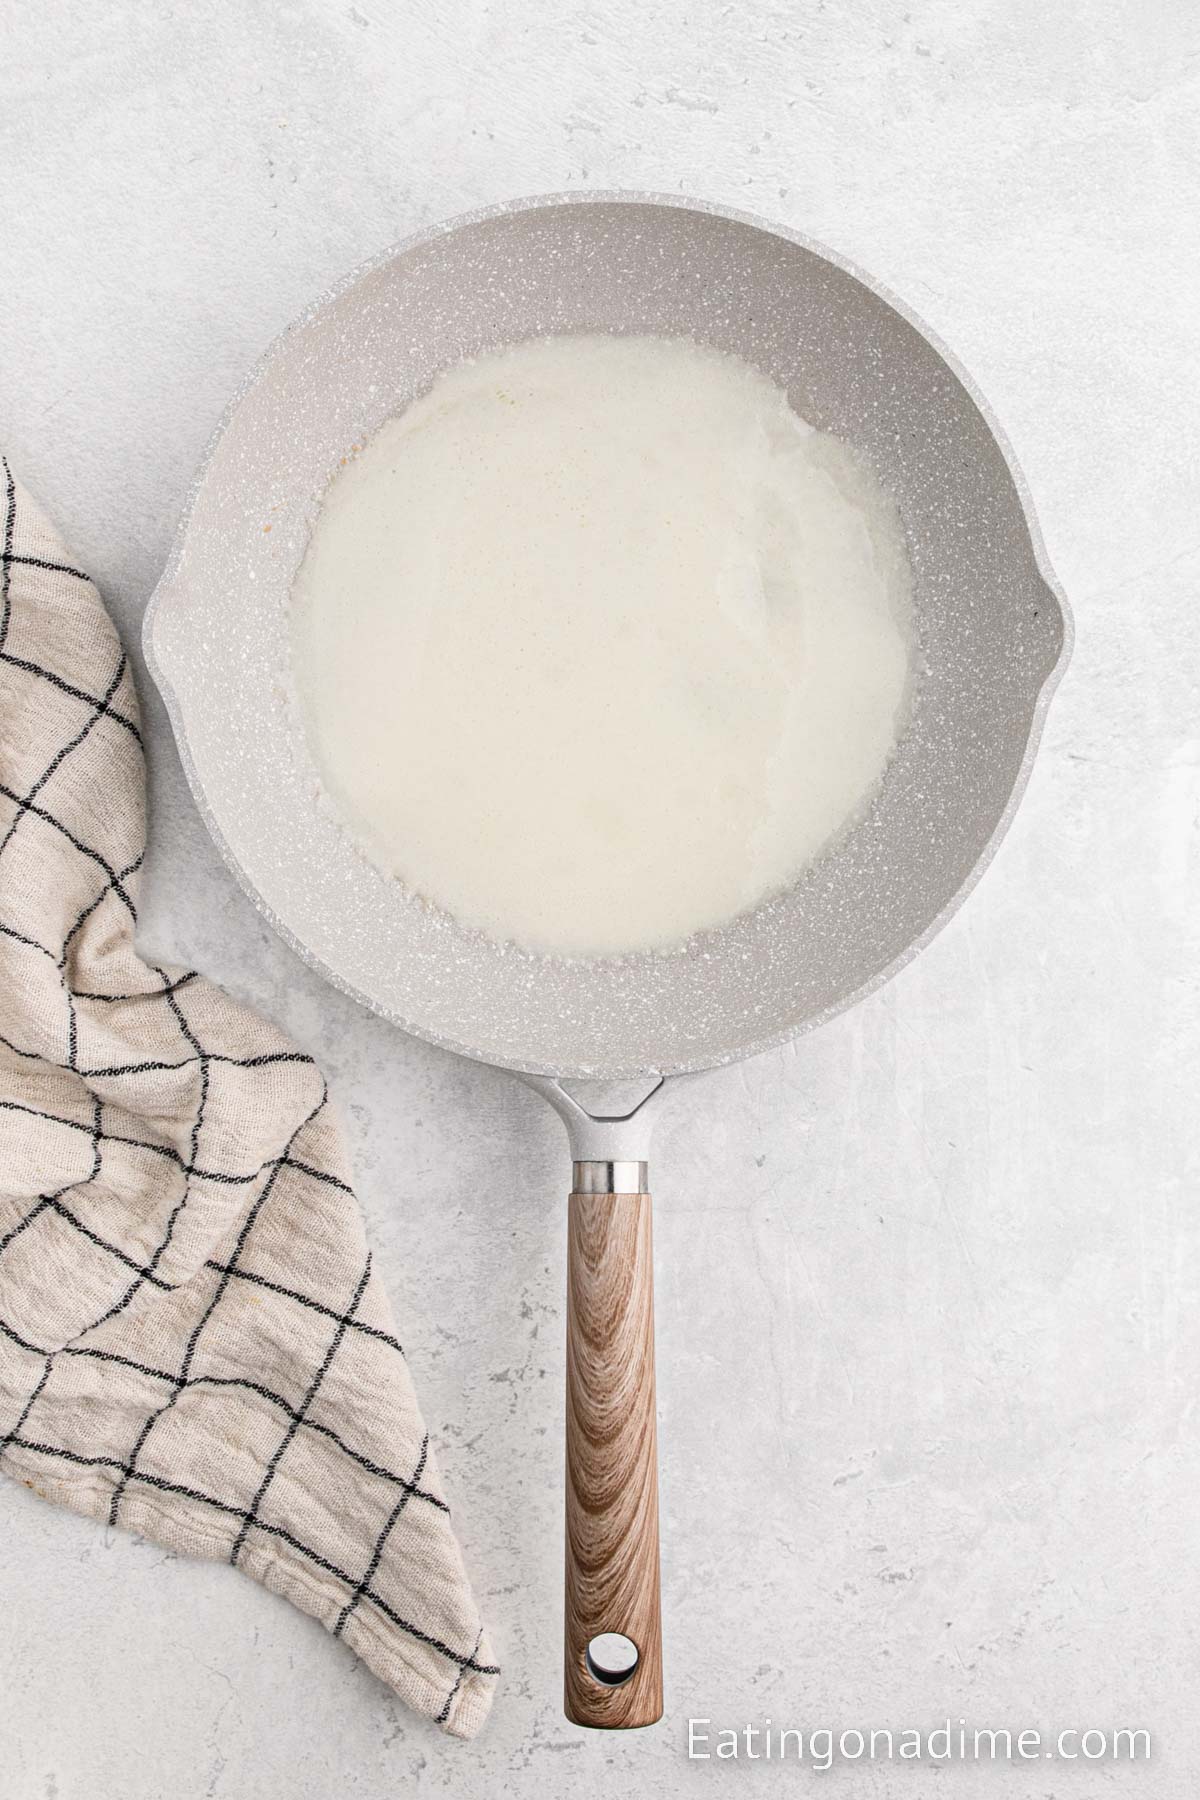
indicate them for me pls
(610, 1178)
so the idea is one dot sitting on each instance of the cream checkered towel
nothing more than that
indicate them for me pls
(192, 1343)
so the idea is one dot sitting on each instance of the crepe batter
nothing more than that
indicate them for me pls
(599, 643)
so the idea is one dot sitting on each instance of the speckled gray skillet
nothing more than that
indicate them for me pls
(993, 634)
(993, 627)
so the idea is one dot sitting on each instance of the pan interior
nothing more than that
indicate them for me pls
(990, 631)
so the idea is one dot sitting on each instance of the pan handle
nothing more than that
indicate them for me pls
(613, 1624)
(613, 1673)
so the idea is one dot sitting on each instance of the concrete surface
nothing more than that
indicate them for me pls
(928, 1280)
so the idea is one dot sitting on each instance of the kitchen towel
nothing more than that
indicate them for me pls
(192, 1341)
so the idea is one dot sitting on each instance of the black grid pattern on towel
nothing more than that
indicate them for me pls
(104, 713)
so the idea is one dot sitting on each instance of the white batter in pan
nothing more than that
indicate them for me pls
(598, 643)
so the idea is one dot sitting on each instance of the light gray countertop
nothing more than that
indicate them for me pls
(927, 1281)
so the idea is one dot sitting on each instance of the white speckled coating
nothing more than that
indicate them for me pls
(993, 628)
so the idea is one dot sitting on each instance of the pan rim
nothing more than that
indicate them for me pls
(162, 592)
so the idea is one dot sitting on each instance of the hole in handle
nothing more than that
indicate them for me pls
(611, 1658)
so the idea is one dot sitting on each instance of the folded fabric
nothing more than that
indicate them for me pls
(192, 1341)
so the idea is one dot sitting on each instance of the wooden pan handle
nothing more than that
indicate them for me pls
(612, 1465)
